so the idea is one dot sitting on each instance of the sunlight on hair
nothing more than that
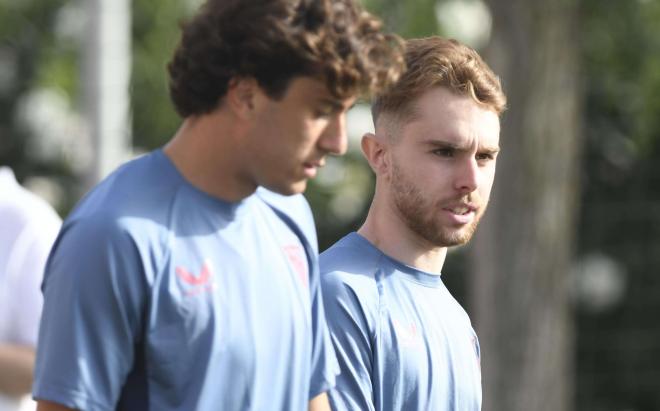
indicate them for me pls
(468, 21)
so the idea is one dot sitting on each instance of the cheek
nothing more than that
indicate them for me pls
(312, 130)
(420, 169)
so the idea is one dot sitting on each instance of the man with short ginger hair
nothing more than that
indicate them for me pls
(188, 279)
(402, 340)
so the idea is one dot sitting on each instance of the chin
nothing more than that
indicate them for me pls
(445, 237)
(288, 189)
(461, 237)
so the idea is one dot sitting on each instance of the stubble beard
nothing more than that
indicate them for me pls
(420, 214)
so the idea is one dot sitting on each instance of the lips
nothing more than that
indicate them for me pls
(316, 164)
(460, 213)
(311, 167)
(461, 209)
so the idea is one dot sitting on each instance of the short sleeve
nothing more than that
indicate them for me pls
(296, 213)
(94, 291)
(324, 361)
(352, 340)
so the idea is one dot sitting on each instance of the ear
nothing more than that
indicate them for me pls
(377, 151)
(241, 95)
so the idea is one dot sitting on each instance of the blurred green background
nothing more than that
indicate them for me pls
(562, 280)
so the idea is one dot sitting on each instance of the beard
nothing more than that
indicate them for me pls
(420, 213)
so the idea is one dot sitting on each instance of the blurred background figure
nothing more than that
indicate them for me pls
(28, 227)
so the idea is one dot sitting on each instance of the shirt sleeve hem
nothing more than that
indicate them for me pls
(320, 387)
(69, 398)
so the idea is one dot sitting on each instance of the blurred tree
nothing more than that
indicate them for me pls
(155, 35)
(617, 345)
(523, 250)
(27, 45)
(407, 18)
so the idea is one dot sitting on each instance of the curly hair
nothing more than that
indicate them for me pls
(439, 62)
(274, 41)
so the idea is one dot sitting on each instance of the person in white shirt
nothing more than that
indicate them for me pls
(28, 228)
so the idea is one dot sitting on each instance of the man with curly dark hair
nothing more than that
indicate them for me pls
(188, 279)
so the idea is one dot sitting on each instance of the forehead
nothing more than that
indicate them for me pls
(310, 89)
(442, 114)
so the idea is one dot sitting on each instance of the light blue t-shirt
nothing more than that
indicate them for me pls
(402, 341)
(161, 297)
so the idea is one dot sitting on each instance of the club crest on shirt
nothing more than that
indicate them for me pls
(196, 282)
(298, 260)
(407, 334)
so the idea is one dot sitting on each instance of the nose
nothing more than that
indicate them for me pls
(334, 139)
(467, 178)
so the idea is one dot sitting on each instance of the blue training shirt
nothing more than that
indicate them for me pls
(161, 297)
(402, 341)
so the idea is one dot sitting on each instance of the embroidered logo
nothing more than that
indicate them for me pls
(197, 283)
(407, 336)
(297, 259)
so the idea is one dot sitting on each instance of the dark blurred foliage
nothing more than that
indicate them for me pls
(618, 349)
(155, 35)
(27, 50)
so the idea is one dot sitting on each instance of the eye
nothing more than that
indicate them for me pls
(444, 152)
(325, 111)
(485, 157)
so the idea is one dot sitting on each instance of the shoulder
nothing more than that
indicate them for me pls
(295, 208)
(349, 266)
(147, 192)
(130, 213)
(351, 255)
(97, 240)
(139, 187)
(349, 283)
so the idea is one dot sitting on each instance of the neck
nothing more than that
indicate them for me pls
(385, 230)
(207, 152)
(389, 234)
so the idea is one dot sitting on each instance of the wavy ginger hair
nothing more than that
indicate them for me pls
(439, 62)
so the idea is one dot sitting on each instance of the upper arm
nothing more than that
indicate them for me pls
(351, 335)
(320, 403)
(324, 368)
(91, 319)
(295, 212)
